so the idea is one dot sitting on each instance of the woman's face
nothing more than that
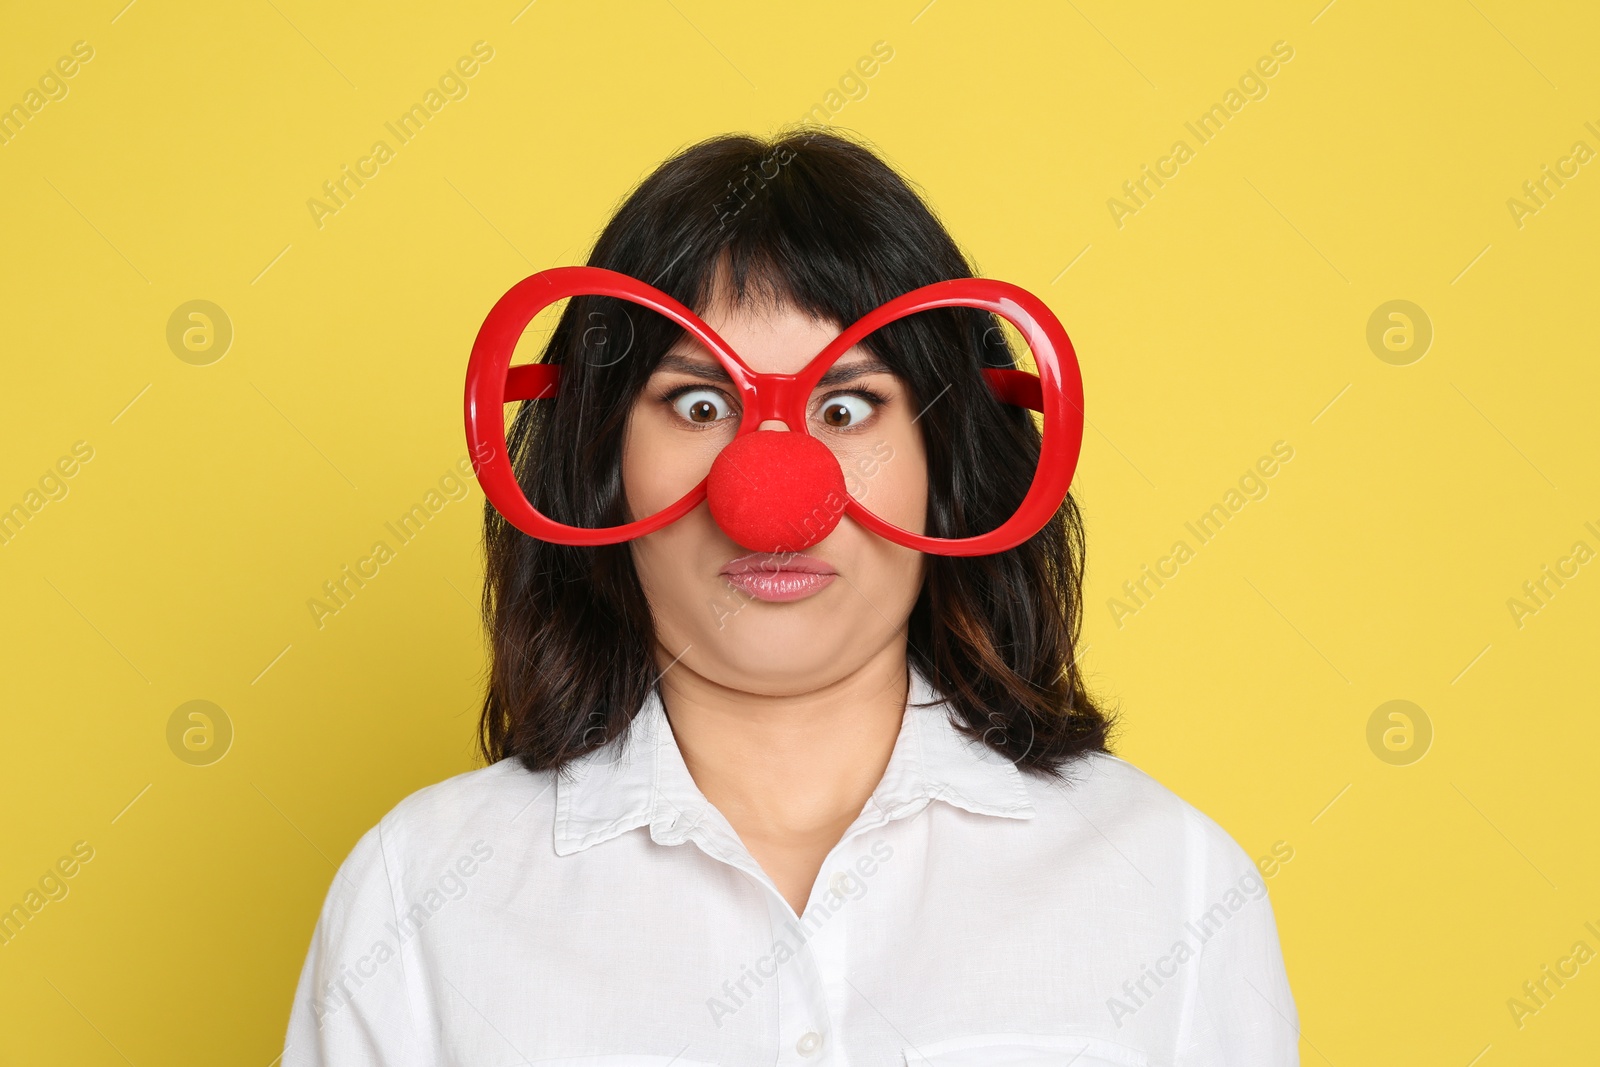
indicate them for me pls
(774, 628)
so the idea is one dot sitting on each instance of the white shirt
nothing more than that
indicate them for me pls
(970, 916)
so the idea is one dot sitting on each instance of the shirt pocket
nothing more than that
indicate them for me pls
(1024, 1050)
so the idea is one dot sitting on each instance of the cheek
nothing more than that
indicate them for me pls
(910, 487)
(641, 478)
(636, 479)
(887, 575)
(658, 467)
(660, 464)
(889, 476)
(659, 560)
(650, 478)
(677, 568)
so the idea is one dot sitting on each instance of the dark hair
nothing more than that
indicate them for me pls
(817, 221)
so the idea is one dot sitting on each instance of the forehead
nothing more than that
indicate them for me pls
(771, 336)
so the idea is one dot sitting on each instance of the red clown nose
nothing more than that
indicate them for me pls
(776, 490)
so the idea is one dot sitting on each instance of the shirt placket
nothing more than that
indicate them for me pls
(811, 987)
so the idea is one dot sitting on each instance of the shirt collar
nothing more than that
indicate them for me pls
(643, 781)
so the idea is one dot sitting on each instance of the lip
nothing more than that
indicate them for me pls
(778, 577)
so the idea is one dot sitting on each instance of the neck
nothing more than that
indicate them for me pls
(789, 764)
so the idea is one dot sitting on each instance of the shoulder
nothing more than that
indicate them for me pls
(1137, 817)
(1178, 887)
(424, 855)
(502, 790)
(458, 822)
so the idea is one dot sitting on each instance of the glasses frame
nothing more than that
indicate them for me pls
(1056, 392)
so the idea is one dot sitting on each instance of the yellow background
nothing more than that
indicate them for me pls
(1228, 313)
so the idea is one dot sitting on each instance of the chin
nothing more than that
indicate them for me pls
(781, 656)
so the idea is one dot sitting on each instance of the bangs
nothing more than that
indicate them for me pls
(808, 220)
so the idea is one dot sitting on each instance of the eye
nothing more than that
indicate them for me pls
(845, 410)
(701, 406)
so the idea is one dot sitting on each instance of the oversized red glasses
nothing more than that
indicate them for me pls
(775, 490)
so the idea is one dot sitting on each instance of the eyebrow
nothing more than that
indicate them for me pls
(714, 371)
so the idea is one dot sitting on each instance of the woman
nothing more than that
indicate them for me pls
(847, 806)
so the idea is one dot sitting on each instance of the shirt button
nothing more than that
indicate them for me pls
(808, 1043)
(837, 882)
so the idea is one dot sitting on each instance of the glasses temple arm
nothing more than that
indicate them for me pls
(1015, 387)
(532, 381)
